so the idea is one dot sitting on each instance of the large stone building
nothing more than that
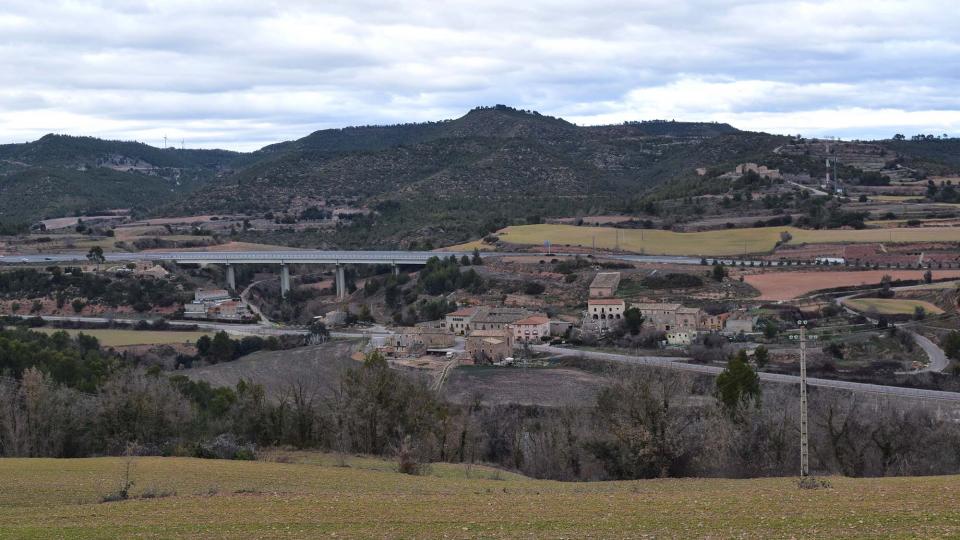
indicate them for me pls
(602, 309)
(459, 321)
(604, 284)
(489, 346)
(497, 318)
(417, 339)
(670, 317)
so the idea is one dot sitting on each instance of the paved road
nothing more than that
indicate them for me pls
(938, 358)
(672, 363)
(340, 257)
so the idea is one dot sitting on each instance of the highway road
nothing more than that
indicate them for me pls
(334, 257)
(672, 363)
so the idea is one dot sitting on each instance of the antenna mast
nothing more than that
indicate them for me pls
(804, 450)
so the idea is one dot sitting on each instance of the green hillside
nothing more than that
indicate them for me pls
(177, 497)
(60, 175)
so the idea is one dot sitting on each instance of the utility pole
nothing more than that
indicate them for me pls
(804, 450)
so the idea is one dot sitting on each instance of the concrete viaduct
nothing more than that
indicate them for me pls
(229, 259)
(285, 258)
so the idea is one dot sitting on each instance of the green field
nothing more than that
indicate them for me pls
(120, 338)
(710, 243)
(891, 306)
(59, 498)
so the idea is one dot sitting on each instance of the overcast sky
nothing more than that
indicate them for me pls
(240, 75)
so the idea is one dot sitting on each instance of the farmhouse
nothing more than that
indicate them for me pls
(604, 284)
(498, 318)
(671, 317)
(488, 346)
(531, 329)
(762, 170)
(416, 339)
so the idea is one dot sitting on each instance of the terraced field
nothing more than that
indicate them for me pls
(47, 498)
(710, 243)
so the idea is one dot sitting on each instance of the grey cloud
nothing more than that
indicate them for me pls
(241, 74)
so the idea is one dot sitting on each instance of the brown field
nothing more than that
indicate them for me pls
(788, 285)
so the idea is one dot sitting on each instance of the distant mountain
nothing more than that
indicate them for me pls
(440, 181)
(451, 180)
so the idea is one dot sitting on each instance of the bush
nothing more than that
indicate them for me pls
(534, 288)
(225, 446)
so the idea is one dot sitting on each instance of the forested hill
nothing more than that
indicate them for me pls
(451, 180)
(442, 179)
(59, 175)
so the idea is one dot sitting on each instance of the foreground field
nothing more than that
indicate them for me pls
(711, 243)
(776, 285)
(122, 338)
(891, 306)
(221, 499)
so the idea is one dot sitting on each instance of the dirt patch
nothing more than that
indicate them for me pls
(316, 367)
(788, 285)
(549, 387)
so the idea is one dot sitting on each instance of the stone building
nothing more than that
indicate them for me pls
(489, 346)
(604, 284)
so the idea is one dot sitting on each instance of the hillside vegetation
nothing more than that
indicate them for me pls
(60, 175)
(211, 498)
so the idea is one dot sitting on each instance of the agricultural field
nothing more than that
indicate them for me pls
(779, 285)
(711, 243)
(891, 306)
(304, 499)
(120, 338)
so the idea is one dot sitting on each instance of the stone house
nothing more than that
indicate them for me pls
(489, 346)
(604, 284)
(531, 329)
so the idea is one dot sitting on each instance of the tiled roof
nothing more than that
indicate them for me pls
(605, 301)
(536, 319)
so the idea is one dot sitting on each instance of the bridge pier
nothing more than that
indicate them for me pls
(341, 280)
(231, 278)
(284, 280)
(396, 269)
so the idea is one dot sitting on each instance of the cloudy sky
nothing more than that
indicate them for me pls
(241, 74)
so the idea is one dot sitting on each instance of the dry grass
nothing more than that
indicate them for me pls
(122, 338)
(711, 243)
(891, 306)
(230, 499)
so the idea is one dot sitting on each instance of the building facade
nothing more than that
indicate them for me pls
(489, 346)
(531, 329)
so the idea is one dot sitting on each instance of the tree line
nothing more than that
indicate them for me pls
(644, 423)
